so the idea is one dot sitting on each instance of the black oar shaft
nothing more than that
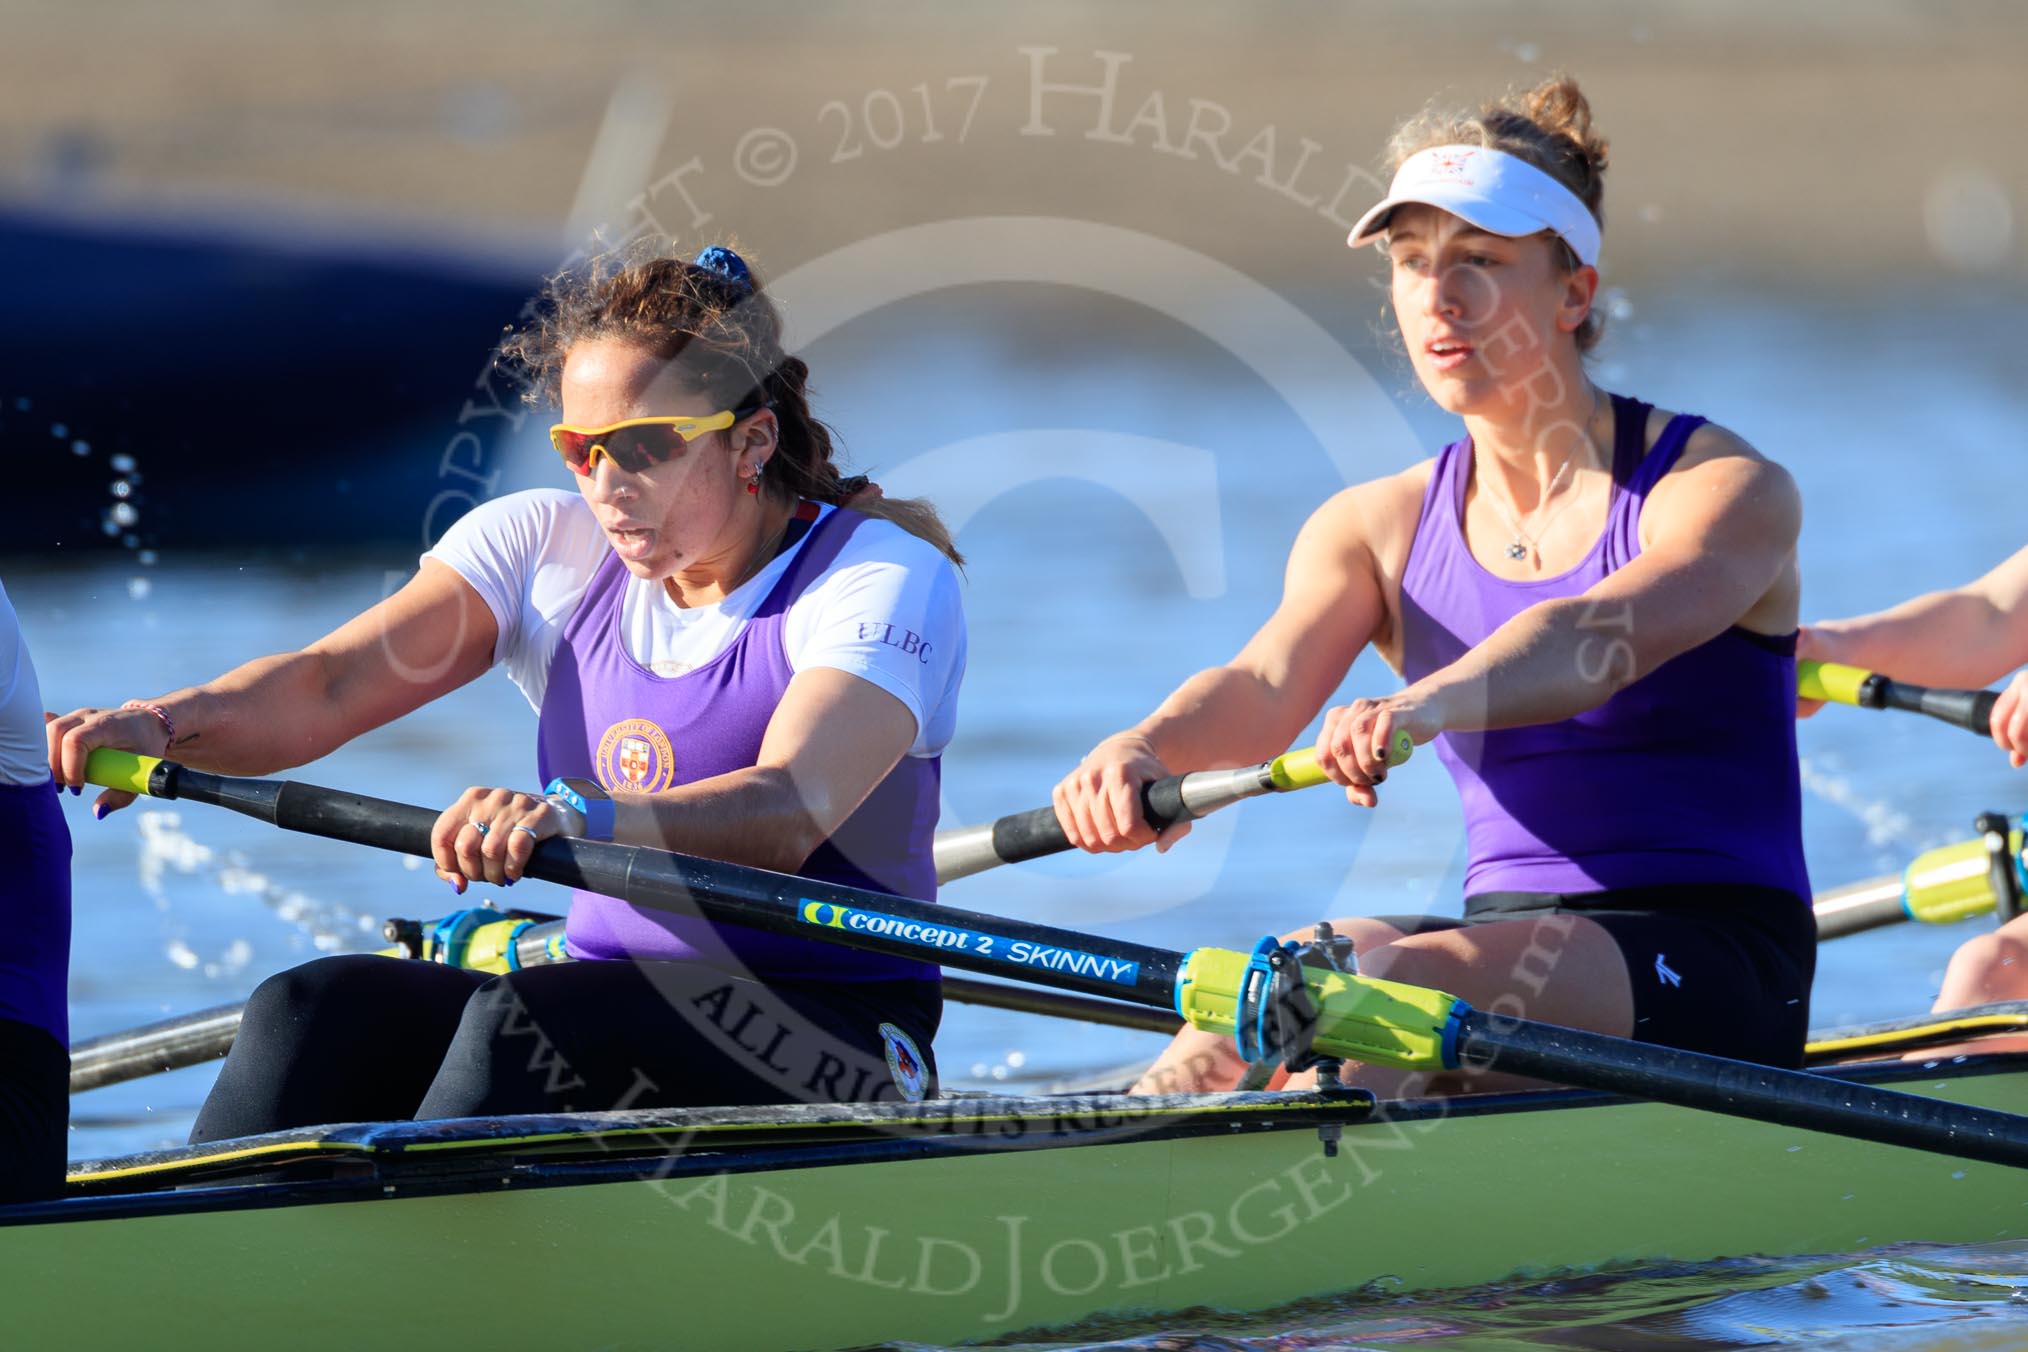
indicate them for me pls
(1058, 1005)
(1968, 709)
(779, 903)
(1787, 1098)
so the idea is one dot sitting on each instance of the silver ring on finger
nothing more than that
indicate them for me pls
(481, 827)
(523, 826)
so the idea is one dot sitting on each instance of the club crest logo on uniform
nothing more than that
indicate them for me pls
(635, 757)
(904, 1063)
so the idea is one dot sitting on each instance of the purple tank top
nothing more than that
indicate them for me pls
(607, 717)
(1688, 775)
(35, 908)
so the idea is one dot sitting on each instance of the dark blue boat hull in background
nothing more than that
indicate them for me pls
(274, 395)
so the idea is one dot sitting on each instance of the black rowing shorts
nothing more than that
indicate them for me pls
(34, 1113)
(1723, 969)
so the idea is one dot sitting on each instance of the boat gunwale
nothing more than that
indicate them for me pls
(370, 1168)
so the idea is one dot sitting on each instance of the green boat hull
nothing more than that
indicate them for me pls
(946, 1223)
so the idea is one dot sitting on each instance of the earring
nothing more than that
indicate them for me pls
(753, 482)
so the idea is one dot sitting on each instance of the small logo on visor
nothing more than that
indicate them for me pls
(1452, 164)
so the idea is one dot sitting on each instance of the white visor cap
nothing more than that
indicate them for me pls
(1490, 188)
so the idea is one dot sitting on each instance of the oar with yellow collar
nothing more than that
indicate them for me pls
(1835, 683)
(1954, 882)
(1276, 1007)
(966, 850)
(1939, 887)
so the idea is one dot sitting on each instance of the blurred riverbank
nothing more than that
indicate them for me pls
(1811, 144)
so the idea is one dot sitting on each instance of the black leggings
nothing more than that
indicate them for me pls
(368, 1039)
(34, 1112)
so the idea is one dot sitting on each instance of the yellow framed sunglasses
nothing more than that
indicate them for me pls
(637, 443)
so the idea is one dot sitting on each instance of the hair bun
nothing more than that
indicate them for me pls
(726, 264)
(1560, 108)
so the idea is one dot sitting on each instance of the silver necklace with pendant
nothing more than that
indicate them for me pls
(1524, 543)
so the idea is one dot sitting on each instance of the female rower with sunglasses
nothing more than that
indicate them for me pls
(1594, 604)
(724, 661)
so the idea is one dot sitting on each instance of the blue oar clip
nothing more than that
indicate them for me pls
(451, 937)
(1256, 998)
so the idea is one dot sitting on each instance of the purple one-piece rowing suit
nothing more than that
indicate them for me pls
(35, 886)
(1671, 814)
(35, 960)
(607, 717)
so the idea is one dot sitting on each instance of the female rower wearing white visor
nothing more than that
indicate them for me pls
(1593, 603)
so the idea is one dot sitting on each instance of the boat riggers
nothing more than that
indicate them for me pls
(1356, 1016)
(1939, 887)
(480, 938)
(1278, 1010)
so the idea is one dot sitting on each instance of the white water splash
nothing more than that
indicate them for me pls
(1885, 824)
(331, 927)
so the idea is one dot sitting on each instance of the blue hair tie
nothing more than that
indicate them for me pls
(727, 264)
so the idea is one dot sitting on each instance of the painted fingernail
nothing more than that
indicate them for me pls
(98, 812)
(76, 789)
(452, 883)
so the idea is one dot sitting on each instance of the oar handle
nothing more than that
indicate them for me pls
(1971, 710)
(1299, 769)
(1019, 836)
(1836, 683)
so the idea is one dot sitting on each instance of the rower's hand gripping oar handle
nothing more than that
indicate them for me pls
(1164, 802)
(1835, 683)
(1031, 835)
(121, 770)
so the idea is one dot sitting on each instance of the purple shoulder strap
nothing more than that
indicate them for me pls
(1636, 474)
(819, 551)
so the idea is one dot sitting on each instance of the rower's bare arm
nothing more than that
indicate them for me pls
(430, 637)
(1254, 706)
(832, 739)
(1964, 636)
(1719, 551)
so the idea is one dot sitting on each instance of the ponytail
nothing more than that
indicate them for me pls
(803, 464)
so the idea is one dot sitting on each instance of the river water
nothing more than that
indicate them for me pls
(1126, 496)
